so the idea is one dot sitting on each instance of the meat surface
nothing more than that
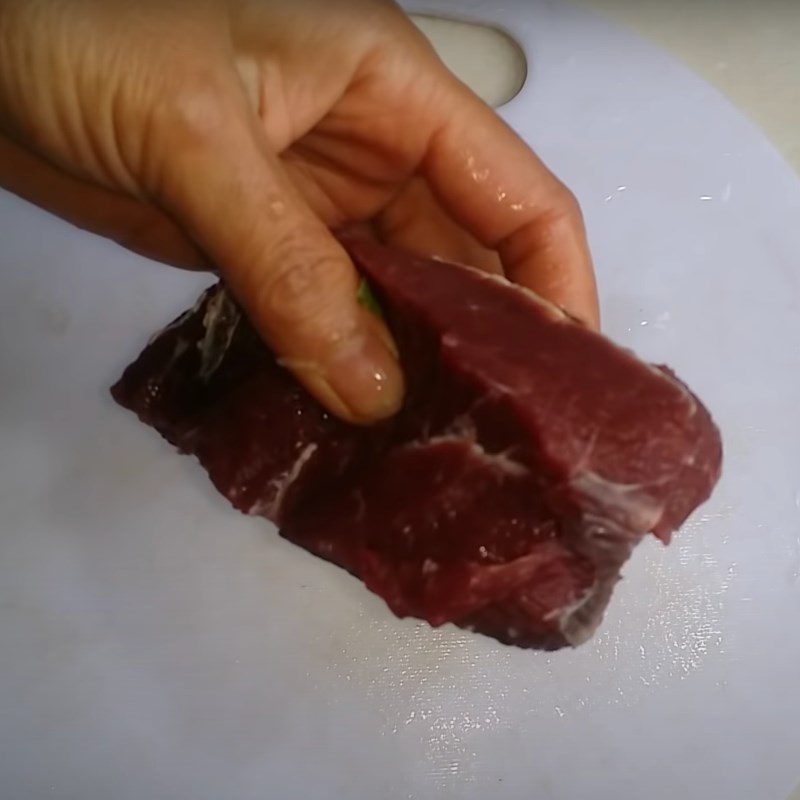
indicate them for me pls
(530, 456)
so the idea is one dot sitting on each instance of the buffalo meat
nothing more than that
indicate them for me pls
(529, 458)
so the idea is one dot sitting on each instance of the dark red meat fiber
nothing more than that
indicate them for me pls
(530, 456)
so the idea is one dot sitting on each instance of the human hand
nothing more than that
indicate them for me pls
(238, 132)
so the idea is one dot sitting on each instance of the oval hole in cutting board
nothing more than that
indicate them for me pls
(497, 76)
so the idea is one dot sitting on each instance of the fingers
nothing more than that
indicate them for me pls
(293, 278)
(492, 184)
(129, 222)
(415, 221)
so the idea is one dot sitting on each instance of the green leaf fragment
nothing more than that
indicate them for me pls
(367, 299)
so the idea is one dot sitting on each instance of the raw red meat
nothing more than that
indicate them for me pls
(530, 456)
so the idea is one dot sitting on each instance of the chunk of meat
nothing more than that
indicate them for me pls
(529, 458)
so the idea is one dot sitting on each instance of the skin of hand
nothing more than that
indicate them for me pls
(239, 132)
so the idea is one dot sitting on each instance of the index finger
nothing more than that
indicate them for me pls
(492, 183)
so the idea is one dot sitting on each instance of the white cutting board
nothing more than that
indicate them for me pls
(155, 644)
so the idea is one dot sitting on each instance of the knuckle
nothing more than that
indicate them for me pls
(307, 287)
(567, 205)
(194, 114)
(561, 219)
(185, 123)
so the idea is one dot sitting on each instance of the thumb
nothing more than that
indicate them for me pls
(292, 277)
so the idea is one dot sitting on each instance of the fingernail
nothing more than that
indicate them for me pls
(367, 379)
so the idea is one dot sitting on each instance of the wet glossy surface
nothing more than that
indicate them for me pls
(140, 654)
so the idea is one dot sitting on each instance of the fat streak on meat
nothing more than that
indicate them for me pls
(530, 457)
